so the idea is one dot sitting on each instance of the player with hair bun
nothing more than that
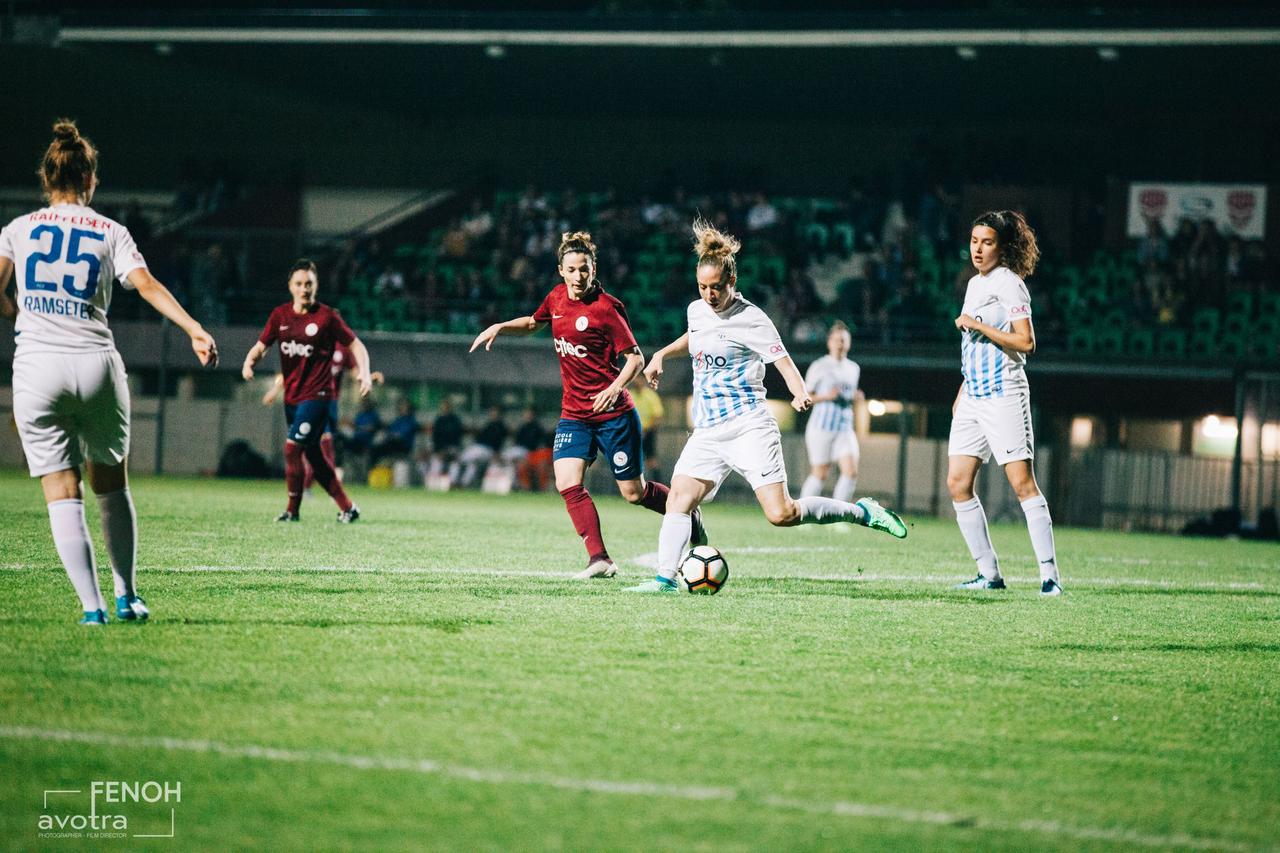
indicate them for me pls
(308, 333)
(70, 395)
(591, 332)
(730, 341)
(991, 415)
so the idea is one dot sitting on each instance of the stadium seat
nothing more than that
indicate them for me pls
(1172, 343)
(1206, 321)
(1204, 345)
(1269, 305)
(646, 261)
(1110, 340)
(1231, 347)
(776, 267)
(1239, 302)
(749, 268)
(1142, 343)
(843, 236)
(817, 236)
(1236, 324)
(1081, 341)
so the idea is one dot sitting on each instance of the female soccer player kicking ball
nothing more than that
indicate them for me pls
(833, 383)
(590, 332)
(731, 341)
(70, 397)
(308, 333)
(992, 411)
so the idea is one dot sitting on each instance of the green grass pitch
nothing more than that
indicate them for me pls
(428, 679)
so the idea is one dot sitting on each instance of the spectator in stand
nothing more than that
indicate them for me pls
(1154, 246)
(446, 438)
(531, 453)
(478, 222)
(763, 215)
(364, 428)
(488, 442)
(399, 435)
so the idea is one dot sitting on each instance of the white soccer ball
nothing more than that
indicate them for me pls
(704, 571)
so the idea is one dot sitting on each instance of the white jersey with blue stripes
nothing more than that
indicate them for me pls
(730, 350)
(828, 374)
(998, 299)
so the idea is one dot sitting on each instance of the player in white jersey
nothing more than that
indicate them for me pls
(70, 398)
(833, 383)
(730, 341)
(992, 412)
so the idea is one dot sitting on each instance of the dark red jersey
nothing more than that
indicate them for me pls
(589, 335)
(343, 360)
(307, 343)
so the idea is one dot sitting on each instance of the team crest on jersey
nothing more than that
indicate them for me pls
(581, 323)
(311, 329)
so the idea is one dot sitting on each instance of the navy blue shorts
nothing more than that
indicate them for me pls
(618, 437)
(310, 419)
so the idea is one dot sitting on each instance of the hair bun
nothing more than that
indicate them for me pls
(65, 131)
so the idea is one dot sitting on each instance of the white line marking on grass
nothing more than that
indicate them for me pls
(643, 561)
(837, 808)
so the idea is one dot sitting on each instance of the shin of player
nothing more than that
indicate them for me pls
(308, 333)
(991, 415)
(731, 341)
(832, 382)
(591, 332)
(70, 397)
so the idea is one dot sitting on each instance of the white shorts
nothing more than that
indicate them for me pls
(999, 426)
(825, 446)
(71, 407)
(749, 444)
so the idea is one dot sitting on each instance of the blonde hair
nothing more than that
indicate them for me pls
(714, 248)
(69, 163)
(576, 241)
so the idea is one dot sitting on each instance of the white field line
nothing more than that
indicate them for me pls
(649, 561)
(496, 776)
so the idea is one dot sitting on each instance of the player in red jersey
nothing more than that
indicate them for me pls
(343, 362)
(590, 331)
(308, 332)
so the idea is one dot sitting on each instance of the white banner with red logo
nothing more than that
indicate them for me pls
(1239, 209)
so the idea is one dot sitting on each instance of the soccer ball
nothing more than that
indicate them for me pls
(704, 571)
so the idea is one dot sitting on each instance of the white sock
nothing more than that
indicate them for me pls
(973, 525)
(672, 537)
(829, 511)
(845, 488)
(71, 538)
(120, 530)
(812, 486)
(1040, 526)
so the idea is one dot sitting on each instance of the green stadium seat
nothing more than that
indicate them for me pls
(1142, 343)
(843, 237)
(657, 243)
(1236, 324)
(1110, 340)
(1172, 343)
(749, 268)
(1206, 321)
(776, 268)
(817, 235)
(1269, 305)
(1239, 302)
(1232, 347)
(646, 260)
(1204, 345)
(1081, 341)
(1262, 348)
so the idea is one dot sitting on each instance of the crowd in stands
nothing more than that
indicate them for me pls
(443, 452)
(891, 264)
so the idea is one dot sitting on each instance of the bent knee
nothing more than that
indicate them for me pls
(783, 516)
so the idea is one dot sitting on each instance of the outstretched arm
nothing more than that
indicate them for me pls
(364, 378)
(800, 399)
(159, 298)
(518, 326)
(653, 373)
(8, 308)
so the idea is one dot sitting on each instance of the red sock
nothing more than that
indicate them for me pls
(654, 497)
(293, 475)
(326, 477)
(582, 511)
